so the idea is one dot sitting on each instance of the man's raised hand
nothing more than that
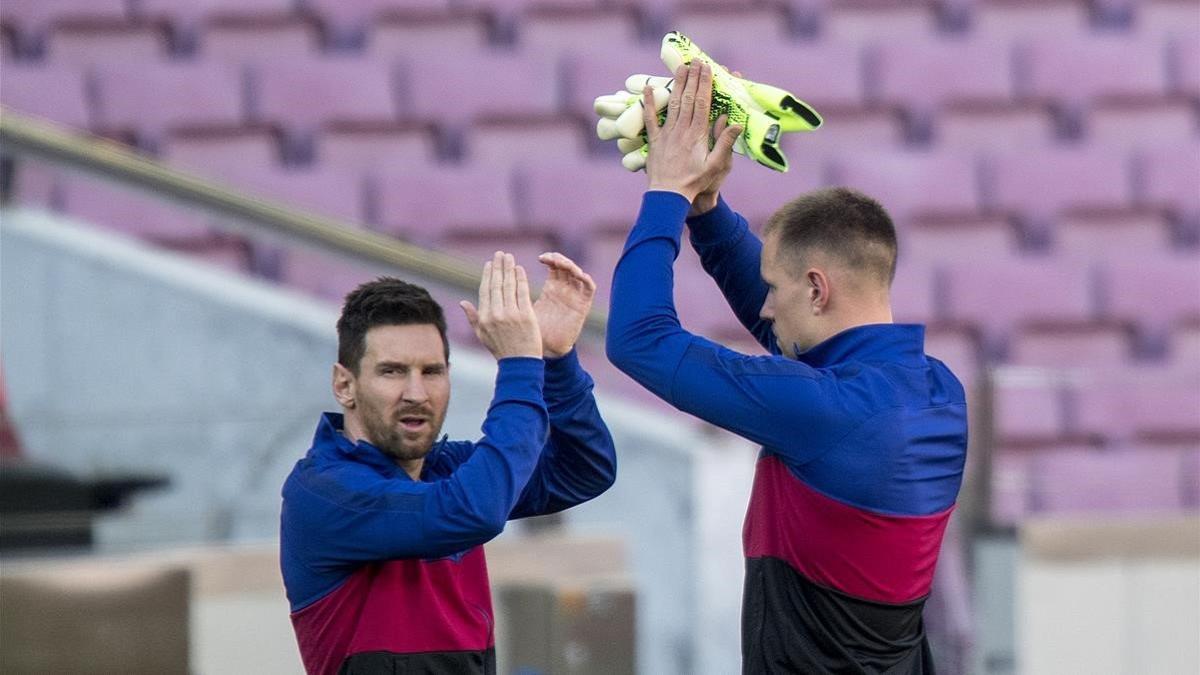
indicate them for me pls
(564, 303)
(505, 321)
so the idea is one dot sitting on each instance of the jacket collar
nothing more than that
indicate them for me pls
(881, 342)
(330, 440)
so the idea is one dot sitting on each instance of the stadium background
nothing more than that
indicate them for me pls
(1041, 158)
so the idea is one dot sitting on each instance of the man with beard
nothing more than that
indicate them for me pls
(382, 525)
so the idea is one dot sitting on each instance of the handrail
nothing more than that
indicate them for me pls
(23, 135)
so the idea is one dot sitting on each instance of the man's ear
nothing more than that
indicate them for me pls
(344, 386)
(818, 289)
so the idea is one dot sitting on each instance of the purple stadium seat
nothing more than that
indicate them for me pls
(487, 86)
(1027, 409)
(1152, 292)
(478, 249)
(718, 28)
(985, 237)
(216, 154)
(1095, 348)
(1092, 68)
(239, 40)
(959, 351)
(153, 98)
(56, 93)
(33, 16)
(322, 274)
(879, 22)
(1136, 124)
(1113, 236)
(757, 192)
(913, 291)
(994, 128)
(1185, 346)
(913, 185)
(1185, 66)
(1014, 19)
(828, 74)
(506, 145)
(1000, 296)
(1087, 480)
(1090, 178)
(698, 300)
(198, 11)
(578, 197)
(364, 147)
(425, 203)
(84, 44)
(558, 32)
(327, 191)
(925, 76)
(1167, 17)
(306, 95)
(1168, 177)
(132, 213)
(354, 15)
(1011, 498)
(1159, 402)
(400, 37)
(586, 78)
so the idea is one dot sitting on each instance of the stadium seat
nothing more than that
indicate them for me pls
(576, 198)
(984, 237)
(1086, 480)
(959, 350)
(1148, 402)
(478, 248)
(913, 185)
(586, 78)
(990, 128)
(1167, 177)
(26, 89)
(242, 40)
(829, 74)
(10, 47)
(34, 183)
(914, 294)
(1017, 19)
(394, 38)
(1152, 292)
(425, 203)
(718, 28)
(89, 43)
(198, 11)
(1062, 179)
(1092, 68)
(487, 86)
(35, 16)
(322, 274)
(1137, 124)
(362, 147)
(508, 144)
(879, 22)
(757, 192)
(328, 191)
(150, 99)
(1000, 296)
(1184, 346)
(922, 77)
(1185, 66)
(1177, 18)
(303, 96)
(217, 153)
(1090, 347)
(1112, 236)
(1028, 409)
(557, 32)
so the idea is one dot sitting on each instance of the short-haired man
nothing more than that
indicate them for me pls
(383, 524)
(864, 436)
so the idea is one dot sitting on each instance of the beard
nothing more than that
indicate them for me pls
(386, 432)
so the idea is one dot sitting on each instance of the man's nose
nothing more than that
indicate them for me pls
(414, 389)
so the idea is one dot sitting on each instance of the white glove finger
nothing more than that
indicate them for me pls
(611, 105)
(628, 145)
(606, 129)
(634, 84)
(631, 122)
(634, 161)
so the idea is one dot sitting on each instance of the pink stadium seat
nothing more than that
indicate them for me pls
(425, 203)
(1014, 19)
(1185, 65)
(578, 197)
(34, 16)
(398, 38)
(914, 291)
(306, 95)
(981, 238)
(1168, 177)
(698, 301)
(1011, 498)
(923, 77)
(1147, 402)
(848, 130)
(757, 192)
(1153, 292)
(994, 128)
(322, 274)
(1136, 124)
(913, 185)
(132, 213)
(478, 249)
(486, 86)
(151, 99)
(326, 191)
(56, 93)
(1185, 346)
(355, 147)
(1087, 480)
(1113, 236)
(1094, 348)
(198, 11)
(827, 74)
(959, 350)
(1089, 178)
(558, 32)
(1103, 66)
(84, 44)
(354, 15)
(1000, 296)
(879, 22)
(505, 145)
(1028, 409)
(239, 40)
(1179, 18)
(586, 78)
(718, 28)
(216, 154)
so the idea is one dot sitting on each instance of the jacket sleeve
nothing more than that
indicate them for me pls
(351, 515)
(731, 255)
(579, 461)
(776, 402)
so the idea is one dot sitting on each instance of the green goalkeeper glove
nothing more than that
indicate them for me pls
(763, 111)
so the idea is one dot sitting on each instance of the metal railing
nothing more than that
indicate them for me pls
(21, 135)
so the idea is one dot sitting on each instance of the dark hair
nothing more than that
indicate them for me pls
(387, 301)
(843, 222)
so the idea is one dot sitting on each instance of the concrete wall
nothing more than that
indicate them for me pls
(120, 357)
